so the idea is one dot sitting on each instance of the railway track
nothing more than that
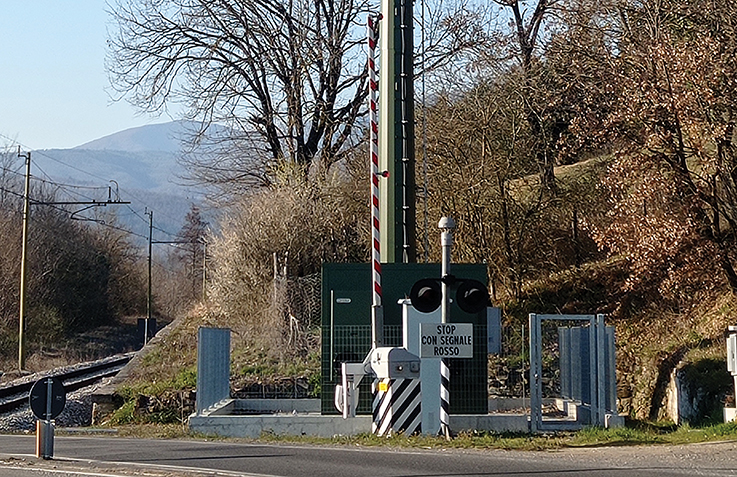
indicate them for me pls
(74, 377)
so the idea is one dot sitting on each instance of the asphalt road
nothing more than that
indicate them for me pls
(110, 456)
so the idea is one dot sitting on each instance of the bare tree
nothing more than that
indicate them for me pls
(527, 31)
(284, 76)
(483, 171)
(673, 186)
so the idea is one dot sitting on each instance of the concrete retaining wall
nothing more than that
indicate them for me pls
(220, 423)
(490, 422)
(301, 417)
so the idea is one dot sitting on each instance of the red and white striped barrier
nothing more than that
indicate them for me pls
(372, 24)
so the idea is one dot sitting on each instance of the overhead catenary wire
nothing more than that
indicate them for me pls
(61, 209)
(148, 206)
(165, 231)
(137, 214)
(44, 153)
(59, 186)
(12, 192)
(63, 186)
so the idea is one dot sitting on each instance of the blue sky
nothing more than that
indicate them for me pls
(54, 92)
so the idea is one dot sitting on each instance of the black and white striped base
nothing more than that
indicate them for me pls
(444, 398)
(397, 407)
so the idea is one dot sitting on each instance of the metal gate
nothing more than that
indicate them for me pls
(587, 372)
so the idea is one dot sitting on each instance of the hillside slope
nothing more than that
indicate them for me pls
(656, 334)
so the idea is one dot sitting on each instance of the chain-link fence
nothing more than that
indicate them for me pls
(297, 301)
(295, 325)
(509, 370)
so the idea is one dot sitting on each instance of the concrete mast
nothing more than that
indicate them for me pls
(397, 132)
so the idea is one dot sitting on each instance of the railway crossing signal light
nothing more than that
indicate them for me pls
(471, 295)
(426, 295)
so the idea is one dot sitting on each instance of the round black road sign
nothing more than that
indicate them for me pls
(47, 398)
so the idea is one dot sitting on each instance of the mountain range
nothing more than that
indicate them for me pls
(139, 164)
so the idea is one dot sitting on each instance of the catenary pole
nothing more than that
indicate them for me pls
(24, 265)
(149, 299)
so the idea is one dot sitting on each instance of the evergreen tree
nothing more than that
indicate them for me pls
(191, 254)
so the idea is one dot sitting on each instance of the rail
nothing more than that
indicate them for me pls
(15, 395)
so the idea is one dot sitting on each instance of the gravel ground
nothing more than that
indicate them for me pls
(77, 412)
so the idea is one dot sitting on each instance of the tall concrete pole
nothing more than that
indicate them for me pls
(149, 301)
(24, 265)
(396, 130)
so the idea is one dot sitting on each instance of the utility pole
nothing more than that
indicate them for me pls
(204, 269)
(24, 265)
(24, 250)
(148, 301)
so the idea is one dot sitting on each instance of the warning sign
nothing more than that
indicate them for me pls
(446, 340)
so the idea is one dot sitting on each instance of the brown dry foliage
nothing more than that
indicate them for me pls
(672, 189)
(283, 232)
(80, 277)
(482, 171)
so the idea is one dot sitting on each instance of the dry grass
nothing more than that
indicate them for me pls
(635, 434)
(97, 343)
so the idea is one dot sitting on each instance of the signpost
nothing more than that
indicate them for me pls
(47, 401)
(447, 340)
(446, 225)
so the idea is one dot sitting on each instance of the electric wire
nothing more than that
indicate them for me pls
(5, 169)
(43, 153)
(57, 185)
(12, 192)
(61, 186)
(122, 189)
(61, 209)
(50, 180)
(137, 214)
(164, 231)
(66, 187)
(57, 207)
